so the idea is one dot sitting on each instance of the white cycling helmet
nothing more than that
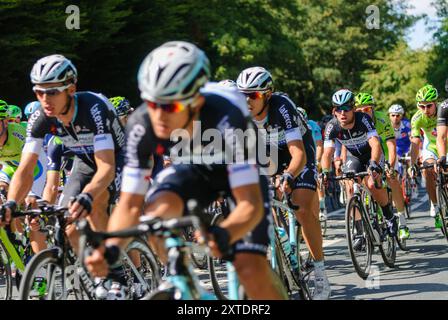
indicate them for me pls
(228, 83)
(255, 79)
(396, 108)
(174, 71)
(343, 97)
(54, 68)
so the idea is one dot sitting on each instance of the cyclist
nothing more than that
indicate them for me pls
(364, 102)
(30, 108)
(425, 119)
(356, 132)
(87, 124)
(318, 144)
(15, 113)
(176, 100)
(402, 129)
(277, 118)
(123, 108)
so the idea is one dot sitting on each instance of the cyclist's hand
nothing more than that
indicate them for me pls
(80, 206)
(412, 171)
(6, 211)
(34, 223)
(441, 162)
(325, 178)
(218, 242)
(286, 182)
(96, 263)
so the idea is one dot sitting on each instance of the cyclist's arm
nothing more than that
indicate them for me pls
(392, 147)
(22, 180)
(415, 149)
(327, 157)
(441, 139)
(319, 150)
(298, 157)
(375, 146)
(51, 186)
(248, 212)
(105, 173)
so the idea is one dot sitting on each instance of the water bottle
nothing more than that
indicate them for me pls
(287, 247)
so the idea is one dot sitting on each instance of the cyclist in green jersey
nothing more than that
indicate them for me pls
(15, 113)
(425, 119)
(364, 102)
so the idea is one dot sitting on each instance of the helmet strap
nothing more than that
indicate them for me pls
(266, 102)
(191, 114)
(67, 106)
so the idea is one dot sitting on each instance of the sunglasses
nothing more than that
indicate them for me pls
(339, 109)
(395, 115)
(253, 95)
(173, 107)
(426, 106)
(53, 91)
(364, 110)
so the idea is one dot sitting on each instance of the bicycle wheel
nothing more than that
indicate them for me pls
(47, 267)
(198, 255)
(5, 275)
(442, 200)
(407, 193)
(142, 268)
(388, 249)
(306, 266)
(360, 245)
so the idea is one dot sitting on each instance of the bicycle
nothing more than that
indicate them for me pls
(64, 277)
(366, 228)
(181, 282)
(288, 259)
(442, 195)
(408, 185)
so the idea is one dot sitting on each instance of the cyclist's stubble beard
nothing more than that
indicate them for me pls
(349, 121)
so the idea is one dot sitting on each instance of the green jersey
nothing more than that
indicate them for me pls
(385, 130)
(11, 151)
(429, 127)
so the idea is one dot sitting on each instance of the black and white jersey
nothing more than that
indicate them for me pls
(355, 140)
(442, 113)
(282, 125)
(218, 142)
(94, 127)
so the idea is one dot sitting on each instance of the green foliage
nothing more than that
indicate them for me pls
(396, 76)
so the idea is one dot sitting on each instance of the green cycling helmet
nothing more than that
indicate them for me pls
(122, 105)
(364, 99)
(4, 113)
(14, 112)
(427, 94)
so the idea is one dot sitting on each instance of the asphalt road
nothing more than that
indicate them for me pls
(420, 273)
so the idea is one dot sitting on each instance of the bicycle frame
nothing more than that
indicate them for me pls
(11, 250)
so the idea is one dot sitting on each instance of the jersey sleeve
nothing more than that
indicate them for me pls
(369, 126)
(35, 132)
(102, 123)
(242, 168)
(289, 120)
(138, 160)
(442, 114)
(54, 154)
(415, 125)
(330, 135)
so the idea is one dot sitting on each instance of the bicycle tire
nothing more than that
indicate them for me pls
(43, 258)
(406, 187)
(442, 200)
(149, 270)
(388, 253)
(5, 272)
(352, 205)
(305, 265)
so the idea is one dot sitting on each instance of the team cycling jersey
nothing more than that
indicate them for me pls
(384, 129)
(10, 154)
(315, 130)
(223, 109)
(94, 127)
(355, 140)
(442, 113)
(429, 127)
(402, 136)
(57, 152)
(282, 125)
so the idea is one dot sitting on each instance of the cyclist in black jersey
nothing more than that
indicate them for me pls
(357, 133)
(88, 125)
(178, 105)
(442, 130)
(287, 132)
